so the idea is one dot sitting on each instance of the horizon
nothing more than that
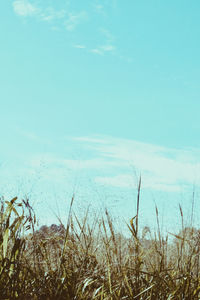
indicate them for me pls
(95, 94)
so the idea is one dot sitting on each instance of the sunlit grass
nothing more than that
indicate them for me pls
(90, 260)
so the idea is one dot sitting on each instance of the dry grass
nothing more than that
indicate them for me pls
(89, 260)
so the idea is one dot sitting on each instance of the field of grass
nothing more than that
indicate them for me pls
(90, 260)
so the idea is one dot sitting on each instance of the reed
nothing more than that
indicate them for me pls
(90, 260)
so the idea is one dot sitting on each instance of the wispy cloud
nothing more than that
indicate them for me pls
(74, 20)
(117, 163)
(107, 34)
(31, 136)
(129, 181)
(97, 51)
(103, 7)
(99, 8)
(79, 46)
(50, 14)
(69, 20)
(96, 163)
(101, 50)
(122, 180)
(92, 140)
(24, 8)
(108, 45)
(161, 168)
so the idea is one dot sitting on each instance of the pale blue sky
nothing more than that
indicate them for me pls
(93, 91)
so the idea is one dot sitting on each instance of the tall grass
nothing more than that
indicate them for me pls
(90, 260)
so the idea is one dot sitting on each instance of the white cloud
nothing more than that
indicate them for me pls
(99, 8)
(32, 136)
(104, 7)
(50, 14)
(107, 48)
(79, 46)
(107, 34)
(108, 45)
(90, 140)
(122, 180)
(161, 168)
(73, 164)
(74, 20)
(103, 49)
(24, 8)
(97, 51)
(117, 162)
(128, 181)
(67, 19)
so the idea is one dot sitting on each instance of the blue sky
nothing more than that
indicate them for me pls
(93, 93)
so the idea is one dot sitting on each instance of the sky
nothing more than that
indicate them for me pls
(94, 94)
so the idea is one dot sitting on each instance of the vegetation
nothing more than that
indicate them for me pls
(89, 260)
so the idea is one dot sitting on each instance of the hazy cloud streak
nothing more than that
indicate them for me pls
(161, 168)
(24, 8)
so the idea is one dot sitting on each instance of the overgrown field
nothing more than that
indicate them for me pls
(89, 260)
